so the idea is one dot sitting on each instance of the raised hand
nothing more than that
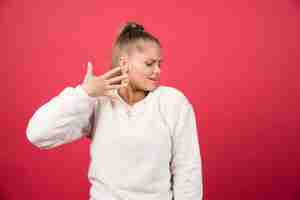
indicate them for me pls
(103, 85)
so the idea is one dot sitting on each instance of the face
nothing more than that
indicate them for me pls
(144, 67)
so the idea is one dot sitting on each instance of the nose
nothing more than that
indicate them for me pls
(156, 69)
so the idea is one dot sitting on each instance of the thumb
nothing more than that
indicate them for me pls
(89, 73)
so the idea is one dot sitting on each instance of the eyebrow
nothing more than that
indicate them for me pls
(160, 60)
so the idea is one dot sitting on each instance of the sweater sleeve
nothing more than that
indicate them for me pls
(186, 164)
(63, 119)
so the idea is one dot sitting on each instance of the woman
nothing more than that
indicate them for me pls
(144, 143)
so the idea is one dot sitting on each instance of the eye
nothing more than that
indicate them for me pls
(149, 64)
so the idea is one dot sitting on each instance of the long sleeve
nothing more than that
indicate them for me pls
(186, 166)
(63, 119)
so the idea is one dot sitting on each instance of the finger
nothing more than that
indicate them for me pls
(113, 87)
(111, 73)
(110, 94)
(90, 69)
(117, 79)
(89, 73)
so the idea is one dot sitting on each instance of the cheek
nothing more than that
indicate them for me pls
(139, 74)
(138, 78)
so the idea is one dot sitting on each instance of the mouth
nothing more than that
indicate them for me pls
(154, 79)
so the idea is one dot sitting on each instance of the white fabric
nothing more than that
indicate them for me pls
(148, 151)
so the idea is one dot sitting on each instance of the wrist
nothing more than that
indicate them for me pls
(87, 91)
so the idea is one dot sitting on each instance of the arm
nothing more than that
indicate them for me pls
(186, 160)
(63, 119)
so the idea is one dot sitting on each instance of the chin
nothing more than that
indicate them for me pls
(151, 87)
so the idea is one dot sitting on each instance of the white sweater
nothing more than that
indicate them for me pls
(148, 151)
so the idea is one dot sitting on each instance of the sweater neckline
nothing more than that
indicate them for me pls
(136, 108)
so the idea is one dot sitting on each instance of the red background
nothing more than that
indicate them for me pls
(237, 62)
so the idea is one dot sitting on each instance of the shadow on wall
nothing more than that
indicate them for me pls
(14, 181)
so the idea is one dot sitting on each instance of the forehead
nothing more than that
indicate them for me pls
(147, 50)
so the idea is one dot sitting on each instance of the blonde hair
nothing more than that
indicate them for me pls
(128, 38)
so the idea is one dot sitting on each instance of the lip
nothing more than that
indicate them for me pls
(154, 79)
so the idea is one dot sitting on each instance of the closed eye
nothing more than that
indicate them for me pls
(149, 64)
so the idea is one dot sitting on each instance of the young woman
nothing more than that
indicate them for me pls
(144, 141)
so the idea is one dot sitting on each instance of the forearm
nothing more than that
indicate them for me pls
(62, 119)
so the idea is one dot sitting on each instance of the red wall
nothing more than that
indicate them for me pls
(237, 62)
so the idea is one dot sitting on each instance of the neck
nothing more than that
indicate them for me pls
(131, 95)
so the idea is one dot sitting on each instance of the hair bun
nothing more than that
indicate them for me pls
(130, 27)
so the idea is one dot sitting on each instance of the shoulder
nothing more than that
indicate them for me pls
(172, 101)
(171, 95)
(173, 104)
